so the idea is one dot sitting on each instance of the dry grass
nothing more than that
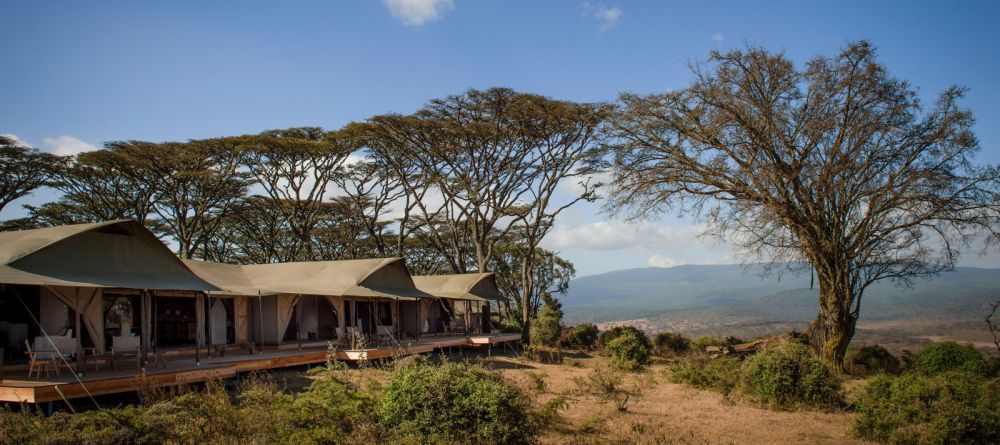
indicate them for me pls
(667, 412)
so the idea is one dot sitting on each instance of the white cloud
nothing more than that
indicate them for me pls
(616, 235)
(607, 17)
(716, 38)
(416, 12)
(16, 139)
(661, 261)
(67, 145)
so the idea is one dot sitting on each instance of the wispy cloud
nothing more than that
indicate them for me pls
(617, 234)
(661, 261)
(418, 12)
(16, 139)
(67, 145)
(607, 17)
(716, 38)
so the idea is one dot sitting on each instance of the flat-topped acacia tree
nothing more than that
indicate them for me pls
(835, 166)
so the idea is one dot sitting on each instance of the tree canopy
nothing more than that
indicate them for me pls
(836, 165)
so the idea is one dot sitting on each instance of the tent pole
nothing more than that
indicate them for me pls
(260, 322)
(143, 329)
(199, 303)
(76, 330)
(298, 321)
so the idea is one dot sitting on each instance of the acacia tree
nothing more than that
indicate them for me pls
(118, 182)
(202, 182)
(565, 145)
(370, 188)
(471, 168)
(480, 165)
(551, 274)
(836, 165)
(295, 168)
(23, 169)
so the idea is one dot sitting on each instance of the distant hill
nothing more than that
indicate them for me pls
(735, 292)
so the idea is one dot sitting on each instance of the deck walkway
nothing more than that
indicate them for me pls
(16, 387)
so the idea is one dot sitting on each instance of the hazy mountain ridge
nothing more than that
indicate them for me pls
(738, 292)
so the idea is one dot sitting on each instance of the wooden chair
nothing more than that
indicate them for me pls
(384, 334)
(40, 360)
(126, 346)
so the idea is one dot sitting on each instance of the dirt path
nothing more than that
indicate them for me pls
(671, 413)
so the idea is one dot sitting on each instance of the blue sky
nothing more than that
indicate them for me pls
(77, 74)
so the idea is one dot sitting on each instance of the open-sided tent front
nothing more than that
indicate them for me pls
(84, 285)
(321, 300)
(463, 301)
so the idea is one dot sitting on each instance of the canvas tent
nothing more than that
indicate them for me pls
(466, 295)
(338, 283)
(74, 265)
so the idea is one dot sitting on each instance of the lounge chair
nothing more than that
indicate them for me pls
(39, 361)
(126, 346)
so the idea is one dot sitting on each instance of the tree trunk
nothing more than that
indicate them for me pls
(833, 328)
(528, 288)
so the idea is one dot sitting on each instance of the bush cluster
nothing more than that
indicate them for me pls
(422, 403)
(668, 344)
(870, 360)
(630, 351)
(547, 326)
(949, 407)
(947, 396)
(582, 336)
(454, 403)
(701, 371)
(790, 374)
(606, 336)
(950, 356)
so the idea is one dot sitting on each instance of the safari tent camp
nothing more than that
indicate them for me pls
(86, 284)
(463, 299)
(79, 291)
(321, 300)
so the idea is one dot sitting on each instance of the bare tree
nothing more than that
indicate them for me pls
(23, 169)
(836, 166)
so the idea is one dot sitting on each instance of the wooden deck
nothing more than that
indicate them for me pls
(16, 387)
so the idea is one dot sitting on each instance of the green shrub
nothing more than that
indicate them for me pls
(951, 407)
(630, 351)
(511, 325)
(869, 360)
(547, 326)
(668, 344)
(702, 371)
(582, 336)
(789, 374)
(454, 403)
(609, 387)
(605, 337)
(950, 356)
(700, 343)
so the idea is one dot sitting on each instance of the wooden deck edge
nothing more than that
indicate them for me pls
(41, 393)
